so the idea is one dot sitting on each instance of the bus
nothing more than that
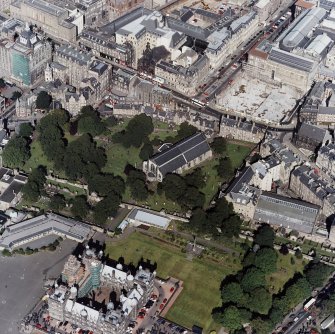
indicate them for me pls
(198, 103)
(327, 322)
(309, 304)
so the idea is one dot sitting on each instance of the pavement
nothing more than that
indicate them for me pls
(21, 282)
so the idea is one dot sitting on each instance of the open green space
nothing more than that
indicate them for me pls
(201, 277)
(38, 158)
(285, 271)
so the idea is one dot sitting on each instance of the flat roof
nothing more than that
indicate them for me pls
(150, 218)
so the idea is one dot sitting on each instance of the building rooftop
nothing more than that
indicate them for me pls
(287, 212)
(150, 218)
(181, 153)
(312, 132)
(41, 225)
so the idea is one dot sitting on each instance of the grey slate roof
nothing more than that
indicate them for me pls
(181, 153)
(287, 212)
(291, 60)
(312, 132)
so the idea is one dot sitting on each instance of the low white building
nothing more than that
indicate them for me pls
(145, 217)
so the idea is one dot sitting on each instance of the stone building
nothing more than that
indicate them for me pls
(178, 158)
(326, 159)
(118, 295)
(58, 22)
(240, 130)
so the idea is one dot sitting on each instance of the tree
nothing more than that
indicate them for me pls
(33, 189)
(233, 293)
(90, 122)
(192, 198)
(57, 202)
(185, 130)
(43, 100)
(265, 236)
(219, 145)
(26, 130)
(224, 168)
(80, 207)
(260, 301)
(106, 208)
(16, 153)
(16, 95)
(317, 273)
(231, 318)
(266, 260)
(252, 279)
(328, 306)
(198, 221)
(174, 186)
(103, 184)
(231, 227)
(136, 132)
(261, 326)
(139, 190)
(2, 83)
(147, 151)
(196, 179)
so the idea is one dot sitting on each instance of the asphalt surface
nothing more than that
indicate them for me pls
(21, 283)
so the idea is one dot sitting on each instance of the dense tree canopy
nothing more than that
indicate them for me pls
(106, 208)
(260, 300)
(80, 207)
(43, 100)
(83, 159)
(253, 278)
(266, 259)
(265, 236)
(90, 122)
(16, 152)
(233, 293)
(103, 184)
(225, 168)
(57, 202)
(26, 130)
(147, 151)
(33, 189)
(136, 132)
(219, 145)
(317, 273)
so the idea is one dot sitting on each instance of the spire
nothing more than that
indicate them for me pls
(27, 28)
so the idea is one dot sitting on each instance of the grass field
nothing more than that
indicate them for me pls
(285, 271)
(201, 278)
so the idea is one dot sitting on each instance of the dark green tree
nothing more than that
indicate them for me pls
(106, 208)
(233, 293)
(261, 326)
(219, 145)
(147, 151)
(198, 221)
(252, 279)
(139, 190)
(185, 130)
(231, 227)
(34, 187)
(317, 273)
(103, 184)
(265, 236)
(266, 260)
(16, 153)
(231, 318)
(26, 130)
(225, 168)
(80, 207)
(43, 100)
(192, 198)
(90, 122)
(260, 301)
(174, 186)
(57, 202)
(196, 178)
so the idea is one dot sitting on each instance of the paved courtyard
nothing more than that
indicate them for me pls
(21, 282)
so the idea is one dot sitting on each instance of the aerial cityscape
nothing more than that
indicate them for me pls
(167, 167)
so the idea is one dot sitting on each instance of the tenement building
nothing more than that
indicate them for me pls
(118, 294)
(178, 158)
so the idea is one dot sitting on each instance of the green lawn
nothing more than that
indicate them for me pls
(37, 158)
(201, 278)
(285, 271)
